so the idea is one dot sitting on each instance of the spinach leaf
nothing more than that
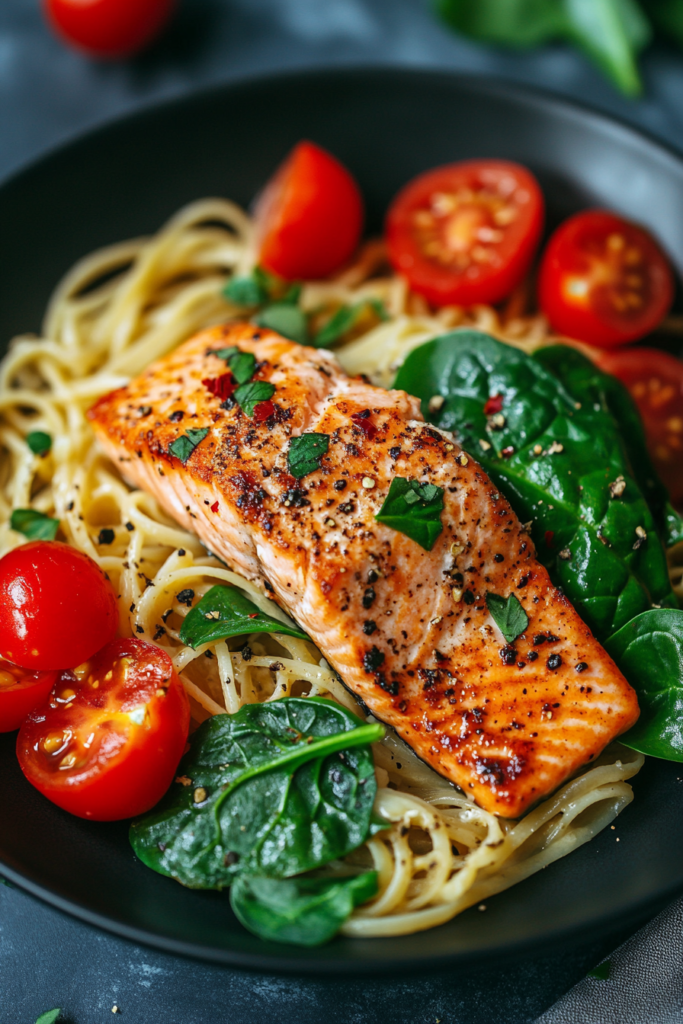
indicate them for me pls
(302, 911)
(346, 318)
(248, 396)
(275, 789)
(224, 612)
(39, 442)
(246, 290)
(49, 1018)
(413, 509)
(184, 445)
(305, 453)
(508, 615)
(34, 525)
(563, 464)
(649, 651)
(285, 318)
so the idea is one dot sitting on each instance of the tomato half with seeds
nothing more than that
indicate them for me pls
(604, 280)
(21, 692)
(655, 380)
(309, 217)
(107, 744)
(466, 234)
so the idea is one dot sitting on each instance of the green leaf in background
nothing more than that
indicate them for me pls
(245, 291)
(224, 612)
(413, 509)
(601, 972)
(516, 23)
(305, 453)
(668, 17)
(345, 319)
(276, 789)
(286, 319)
(301, 911)
(39, 442)
(508, 615)
(611, 33)
(649, 651)
(248, 396)
(184, 445)
(34, 525)
(49, 1018)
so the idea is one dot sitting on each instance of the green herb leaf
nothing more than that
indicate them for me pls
(300, 911)
(184, 445)
(673, 526)
(34, 525)
(515, 23)
(226, 611)
(610, 32)
(413, 509)
(508, 615)
(276, 789)
(227, 353)
(649, 651)
(49, 1018)
(601, 972)
(242, 366)
(345, 319)
(248, 396)
(287, 320)
(668, 17)
(292, 295)
(305, 453)
(246, 291)
(39, 442)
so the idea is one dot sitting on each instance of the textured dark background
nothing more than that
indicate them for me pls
(49, 94)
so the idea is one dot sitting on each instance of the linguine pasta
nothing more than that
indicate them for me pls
(113, 314)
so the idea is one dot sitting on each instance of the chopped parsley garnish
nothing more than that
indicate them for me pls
(248, 396)
(184, 445)
(33, 524)
(246, 291)
(305, 453)
(224, 612)
(227, 353)
(39, 442)
(346, 318)
(242, 366)
(413, 509)
(49, 1018)
(287, 319)
(508, 615)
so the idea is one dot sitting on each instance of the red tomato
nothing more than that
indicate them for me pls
(108, 744)
(604, 280)
(108, 28)
(309, 217)
(466, 233)
(655, 380)
(57, 608)
(21, 691)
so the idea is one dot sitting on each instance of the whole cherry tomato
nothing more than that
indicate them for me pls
(57, 608)
(604, 280)
(108, 28)
(309, 217)
(21, 691)
(466, 233)
(108, 744)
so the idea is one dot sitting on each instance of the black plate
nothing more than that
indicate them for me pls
(123, 181)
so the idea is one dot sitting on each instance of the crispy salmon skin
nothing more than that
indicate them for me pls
(408, 630)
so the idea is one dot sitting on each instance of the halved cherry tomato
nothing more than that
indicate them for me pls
(108, 28)
(57, 608)
(21, 692)
(604, 280)
(309, 217)
(655, 380)
(466, 233)
(108, 743)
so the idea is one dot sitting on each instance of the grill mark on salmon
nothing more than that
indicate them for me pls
(408, 630)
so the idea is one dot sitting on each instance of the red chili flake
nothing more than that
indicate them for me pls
(263, 410)
(549, 535)
(493, 405)
(362, 420)
(254, 615)
(222, 387)
(214, 507)
(507, 452)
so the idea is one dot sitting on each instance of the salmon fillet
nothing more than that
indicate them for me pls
(408, 630)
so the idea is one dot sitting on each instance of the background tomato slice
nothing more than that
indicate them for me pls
(108, 28)
(21, 692)
(57, 608)
(466, 233)
(655, 381)
(108, 743)
(604, 280)
(309, 217)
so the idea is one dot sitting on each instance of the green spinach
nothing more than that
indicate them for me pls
(33, 524)
(224, 612)
(413, 509)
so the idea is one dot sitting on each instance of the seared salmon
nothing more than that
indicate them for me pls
(408, 629)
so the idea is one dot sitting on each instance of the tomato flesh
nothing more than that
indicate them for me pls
(21, 692)
(466, 233)
(604, 280)
(108, 743)
(108, 28)
(309, 217)
(57, 608)
(655, 381)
